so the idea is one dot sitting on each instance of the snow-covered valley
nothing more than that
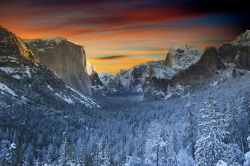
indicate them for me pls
(192, 109)
(128, 131)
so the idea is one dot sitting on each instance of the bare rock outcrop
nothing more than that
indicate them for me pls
(66, 59)
(237, 52)
(202, 70)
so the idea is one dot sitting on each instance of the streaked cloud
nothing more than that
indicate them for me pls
(120, 62)
(135, 28)
(110, 57)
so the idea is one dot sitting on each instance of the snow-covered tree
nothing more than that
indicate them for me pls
(184, 159)
(103, 155)
(133, 161)
(66, 157)
(243, 120)
(8, 154)
(210, 147)
(221, 163)
(79, 151)
(190, 107)
(247, 155)
(159, 147)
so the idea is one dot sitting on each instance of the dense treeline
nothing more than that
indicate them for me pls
(170, 132)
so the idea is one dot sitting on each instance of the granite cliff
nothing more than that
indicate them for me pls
(24, 82)
(183, 66)
(66, 59)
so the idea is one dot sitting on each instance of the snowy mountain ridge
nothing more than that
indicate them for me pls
(180, 58)
(183, 66)
(26, 82)
(243, 39)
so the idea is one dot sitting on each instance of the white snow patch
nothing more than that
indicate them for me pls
(247, 159)
(106, 77)
(181, 58)
(27, 71)
(214, 83)
(243, 39)
(183, 158)
(83, 99)
(23, 98)
(221, 163)
(16, 76)
(7, 70)
(50, 87)
(41, 49)
(5, 88)
(12, 146)
(65, 98)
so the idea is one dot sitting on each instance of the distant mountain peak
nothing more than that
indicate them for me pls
(12, 45)
(182, 57)
(243, 38)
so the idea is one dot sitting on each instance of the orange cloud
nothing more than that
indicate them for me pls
(114, 65)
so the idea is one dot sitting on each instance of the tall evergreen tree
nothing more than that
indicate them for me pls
(210, 147)
(66, 157)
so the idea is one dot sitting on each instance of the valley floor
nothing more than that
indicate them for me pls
(125, 131)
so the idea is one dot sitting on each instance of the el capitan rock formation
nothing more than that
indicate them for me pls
(66, 59)
(24, 82)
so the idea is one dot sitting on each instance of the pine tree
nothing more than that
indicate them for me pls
(8, 153)
(244, 121)
(106, 156)
(247, 155)
(210, 147)
(66, 155)
(234, 154)
(192, 123)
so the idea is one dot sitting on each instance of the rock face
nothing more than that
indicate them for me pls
(25, 82)
(133, 80)
(237, 52)
(180, 58)
(93, 75)
(66, 59)
(202, 70)
(183, 66)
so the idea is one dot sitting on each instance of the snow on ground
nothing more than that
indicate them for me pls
(243, 39)
(221, 163)
(14, 72)
(65, 98)
(105, 77)
(83, 99)
(16, 76)
(5, 88)
(181, 58)
(125, 77)
(27, 71)
(50, 87)
(7, 70)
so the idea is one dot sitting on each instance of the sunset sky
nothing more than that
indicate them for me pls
(119, 34)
